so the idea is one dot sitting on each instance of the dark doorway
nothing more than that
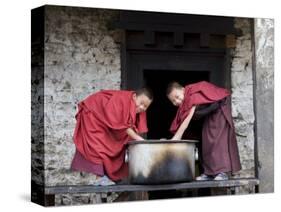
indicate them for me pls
(161, 112)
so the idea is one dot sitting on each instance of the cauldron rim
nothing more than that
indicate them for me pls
(155, 141)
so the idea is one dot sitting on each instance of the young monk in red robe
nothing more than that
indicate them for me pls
(219, 146)
(106, 122)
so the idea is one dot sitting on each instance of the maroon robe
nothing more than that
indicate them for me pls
(219, 145)
(100, 134)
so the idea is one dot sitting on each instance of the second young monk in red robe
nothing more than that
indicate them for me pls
(106, 122)
(219, 146)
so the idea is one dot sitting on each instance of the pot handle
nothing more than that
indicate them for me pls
(126, 156)
(196, 154)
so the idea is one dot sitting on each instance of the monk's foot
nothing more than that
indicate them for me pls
(203, 177)
(103, 181)
(221, 176)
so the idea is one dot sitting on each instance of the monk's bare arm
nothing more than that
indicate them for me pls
(184, 125)
(133, 134)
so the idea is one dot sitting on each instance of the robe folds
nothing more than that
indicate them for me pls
(100, 134)
(219, 144)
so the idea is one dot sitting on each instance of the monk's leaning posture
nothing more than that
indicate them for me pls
(106, 122)
(204, 100)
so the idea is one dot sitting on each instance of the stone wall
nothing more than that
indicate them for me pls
(264, 92)
(37, 106)
(37, 118)
(37, 97)
(242, 96)
(81, 57)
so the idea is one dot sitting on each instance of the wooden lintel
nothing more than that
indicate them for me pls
(149, 37)
(178, 38)
(230, 41)
(204, 39)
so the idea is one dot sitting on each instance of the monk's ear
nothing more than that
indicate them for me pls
(134, 96)
(182, 88)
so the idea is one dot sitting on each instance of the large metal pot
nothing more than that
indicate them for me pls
(161, 161)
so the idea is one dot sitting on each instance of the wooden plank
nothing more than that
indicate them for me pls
(204, 40)
(149, 38)
(121, 188)
(178, 38)
(171, 28)
(230, 41)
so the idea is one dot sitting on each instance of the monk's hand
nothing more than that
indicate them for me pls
(175, 137)
(134, 135)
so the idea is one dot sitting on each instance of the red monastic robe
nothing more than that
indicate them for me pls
(219, 145)
(100, 134)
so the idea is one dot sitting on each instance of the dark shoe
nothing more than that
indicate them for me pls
(203, 177)
(221, 176)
